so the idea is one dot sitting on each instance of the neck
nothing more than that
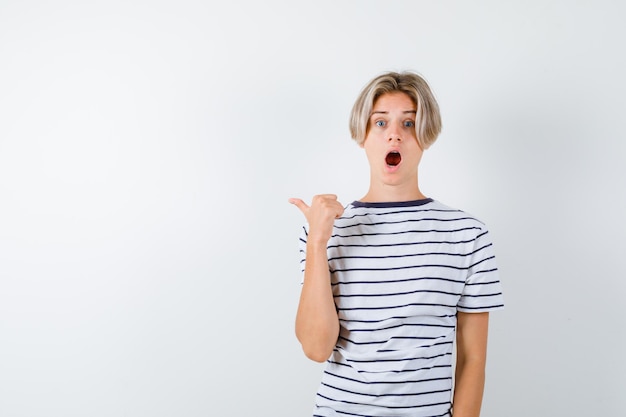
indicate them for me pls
(393, 192)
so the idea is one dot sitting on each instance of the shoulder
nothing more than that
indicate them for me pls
(461, 218)
(444, 208)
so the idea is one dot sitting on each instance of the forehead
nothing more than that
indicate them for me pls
(396, 100)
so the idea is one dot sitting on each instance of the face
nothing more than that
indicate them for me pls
(391, 143)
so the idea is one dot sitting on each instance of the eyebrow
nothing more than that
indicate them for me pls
(386, 112)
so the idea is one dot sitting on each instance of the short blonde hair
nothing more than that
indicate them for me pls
(427, 119)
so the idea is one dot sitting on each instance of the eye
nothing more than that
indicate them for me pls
(409, 123)
(380, 123)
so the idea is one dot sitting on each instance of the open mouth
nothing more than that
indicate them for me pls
(393, 158)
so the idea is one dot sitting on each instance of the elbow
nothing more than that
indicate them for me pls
(318, 343)
(316, 349)
(318, 355)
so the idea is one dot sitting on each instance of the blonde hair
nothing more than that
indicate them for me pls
(427, 119)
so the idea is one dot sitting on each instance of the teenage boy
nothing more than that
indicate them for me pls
(394, 279)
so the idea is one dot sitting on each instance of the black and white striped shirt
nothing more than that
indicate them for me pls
(400, 272)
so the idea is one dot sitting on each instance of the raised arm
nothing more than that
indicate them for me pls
(470, 363)
(317, 324)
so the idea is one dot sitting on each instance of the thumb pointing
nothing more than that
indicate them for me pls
(299, 203)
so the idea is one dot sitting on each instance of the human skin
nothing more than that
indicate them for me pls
(392, 128)
(317, 323)
(469, 382)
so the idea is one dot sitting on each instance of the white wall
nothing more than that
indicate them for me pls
(148, 255)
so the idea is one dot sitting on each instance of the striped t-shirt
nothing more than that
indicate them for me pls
(400, 272)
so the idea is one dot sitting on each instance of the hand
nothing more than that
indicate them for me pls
(320, 215)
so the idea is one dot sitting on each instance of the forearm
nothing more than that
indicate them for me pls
(468, 388)
(317, 324)
(471, 359)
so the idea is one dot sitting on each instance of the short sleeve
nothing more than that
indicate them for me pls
(302, 248)
(482, 291)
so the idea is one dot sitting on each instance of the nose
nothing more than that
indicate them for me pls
(394, 137)
(394, 133)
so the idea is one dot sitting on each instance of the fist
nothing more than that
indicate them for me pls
(320, 215)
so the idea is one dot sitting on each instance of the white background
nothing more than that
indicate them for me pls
(148, 255)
